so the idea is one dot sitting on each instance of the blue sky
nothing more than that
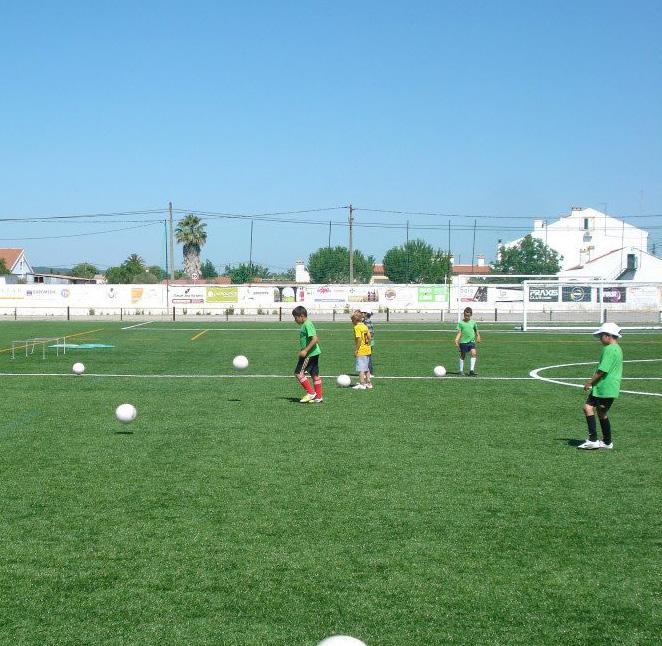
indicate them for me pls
(515, 110)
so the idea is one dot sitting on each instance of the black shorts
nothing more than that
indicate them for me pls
(603, 403)
(309, 365)
(467, 347)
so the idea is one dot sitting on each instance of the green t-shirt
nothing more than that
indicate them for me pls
(306, 333)
(611, 363)
(468, 330)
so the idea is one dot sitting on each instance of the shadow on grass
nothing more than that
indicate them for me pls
(123, 432)
(570, 441)
(292, 400)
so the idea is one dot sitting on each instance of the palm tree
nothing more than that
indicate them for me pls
(191, 233)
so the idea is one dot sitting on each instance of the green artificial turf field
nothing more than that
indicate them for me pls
(426, 511)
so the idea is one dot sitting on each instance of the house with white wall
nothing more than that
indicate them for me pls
(17, 264)
(627, 263)
(587, 234)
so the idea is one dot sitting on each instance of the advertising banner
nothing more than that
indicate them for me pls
(183, 295)
(433, 294)
(578, 294)
(473, 294)
(328, 294)
(217, 295)
(613, 295)
(284, 294)
(543, 294)
(363, 294)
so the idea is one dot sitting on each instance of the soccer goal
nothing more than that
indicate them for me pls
(558, 305)
(38, 346)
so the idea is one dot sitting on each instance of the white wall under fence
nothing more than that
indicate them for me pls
(545, 301)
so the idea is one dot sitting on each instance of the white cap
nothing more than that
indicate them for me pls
(608, 328)
(368, 312)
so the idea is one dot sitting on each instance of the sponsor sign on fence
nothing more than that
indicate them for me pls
(576, 294)
(544, 294)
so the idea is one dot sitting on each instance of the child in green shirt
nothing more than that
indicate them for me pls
(465, 341)
(604, 387)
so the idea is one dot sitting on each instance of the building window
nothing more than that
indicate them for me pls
(632, 261)
(585, 224)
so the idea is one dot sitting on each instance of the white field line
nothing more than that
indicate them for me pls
(130, 327)
(559, 380)
(382, 329)
(236, 376)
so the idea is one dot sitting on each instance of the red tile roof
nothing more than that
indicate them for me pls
(472, 269)
(10, 256)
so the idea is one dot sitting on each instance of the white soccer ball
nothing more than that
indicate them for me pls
(341, 640)
(78, 368)
(240, 362)
(126, 413)
(344, 381)
(439, 371)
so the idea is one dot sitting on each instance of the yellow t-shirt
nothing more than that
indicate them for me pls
(361, 332)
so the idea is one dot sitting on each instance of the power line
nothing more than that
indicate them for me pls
(80, 235)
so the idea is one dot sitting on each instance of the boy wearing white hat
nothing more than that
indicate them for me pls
(604, 387)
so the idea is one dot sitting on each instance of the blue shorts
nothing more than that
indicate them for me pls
(362, 363)
(467, 347)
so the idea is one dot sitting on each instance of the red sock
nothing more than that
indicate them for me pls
(318, 387)
(306, 385)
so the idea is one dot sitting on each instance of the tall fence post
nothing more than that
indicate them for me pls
(280, 313)
(496, 316)
(334, 315)
(388, 314)
(173, 312)
(68, 314)
(121, 313)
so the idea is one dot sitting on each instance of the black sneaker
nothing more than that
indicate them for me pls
(473, 374)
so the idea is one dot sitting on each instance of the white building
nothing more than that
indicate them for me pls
(301, 274)
(628, 263)
(587, 234)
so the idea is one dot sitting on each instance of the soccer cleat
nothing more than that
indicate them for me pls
(473, 373)
(308, 398)
(590, 444)
(359, 387)
(606, 446)
(368, 386)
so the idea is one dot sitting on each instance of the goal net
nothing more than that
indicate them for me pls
(586, 305)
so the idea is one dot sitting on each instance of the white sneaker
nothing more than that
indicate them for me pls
(307, 398)
(368, 386)
(359, 387)
(589, 445)
(606, 446)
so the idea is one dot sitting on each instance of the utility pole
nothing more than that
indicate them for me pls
(250, 252)
(407, 256)
(329, 234)
(449, 237)
(351, 248)
(172, 246)
(473, 248)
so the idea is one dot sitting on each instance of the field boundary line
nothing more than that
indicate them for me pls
(535, 374)
(129, 327)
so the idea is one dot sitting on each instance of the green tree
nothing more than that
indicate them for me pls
(207, 269)
(287, 275)
(157, 271)
(417, 262)
(246, 272)
(3, 268)
(132, 267)
(191, 233)
(84, 270)
(331, 265)
(530, 256)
